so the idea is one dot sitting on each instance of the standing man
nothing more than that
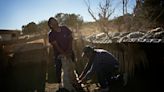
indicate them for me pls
(60, 37)
(102, 63)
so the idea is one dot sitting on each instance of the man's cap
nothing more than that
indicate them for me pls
(87, 49)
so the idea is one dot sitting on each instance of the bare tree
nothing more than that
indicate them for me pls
(103, 16)
(125, 6)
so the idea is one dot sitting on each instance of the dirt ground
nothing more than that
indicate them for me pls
(53, 87)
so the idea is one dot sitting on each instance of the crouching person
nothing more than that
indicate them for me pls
(102, 63)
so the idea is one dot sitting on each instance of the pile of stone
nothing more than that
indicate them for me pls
(153, 36)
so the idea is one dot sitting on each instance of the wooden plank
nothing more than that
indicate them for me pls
(23, 40)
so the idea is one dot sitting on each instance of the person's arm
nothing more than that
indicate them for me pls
(70, 39)
(70, 42)
(86, 69)
(90, 72)
(54, 43)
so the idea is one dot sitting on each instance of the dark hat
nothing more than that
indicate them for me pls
(87, 49)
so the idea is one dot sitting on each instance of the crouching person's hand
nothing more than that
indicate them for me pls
(79, 81)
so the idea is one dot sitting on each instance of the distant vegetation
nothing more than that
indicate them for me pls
(73, 21)
(147, 14)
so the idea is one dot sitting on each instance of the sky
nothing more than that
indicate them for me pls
(15, 13)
